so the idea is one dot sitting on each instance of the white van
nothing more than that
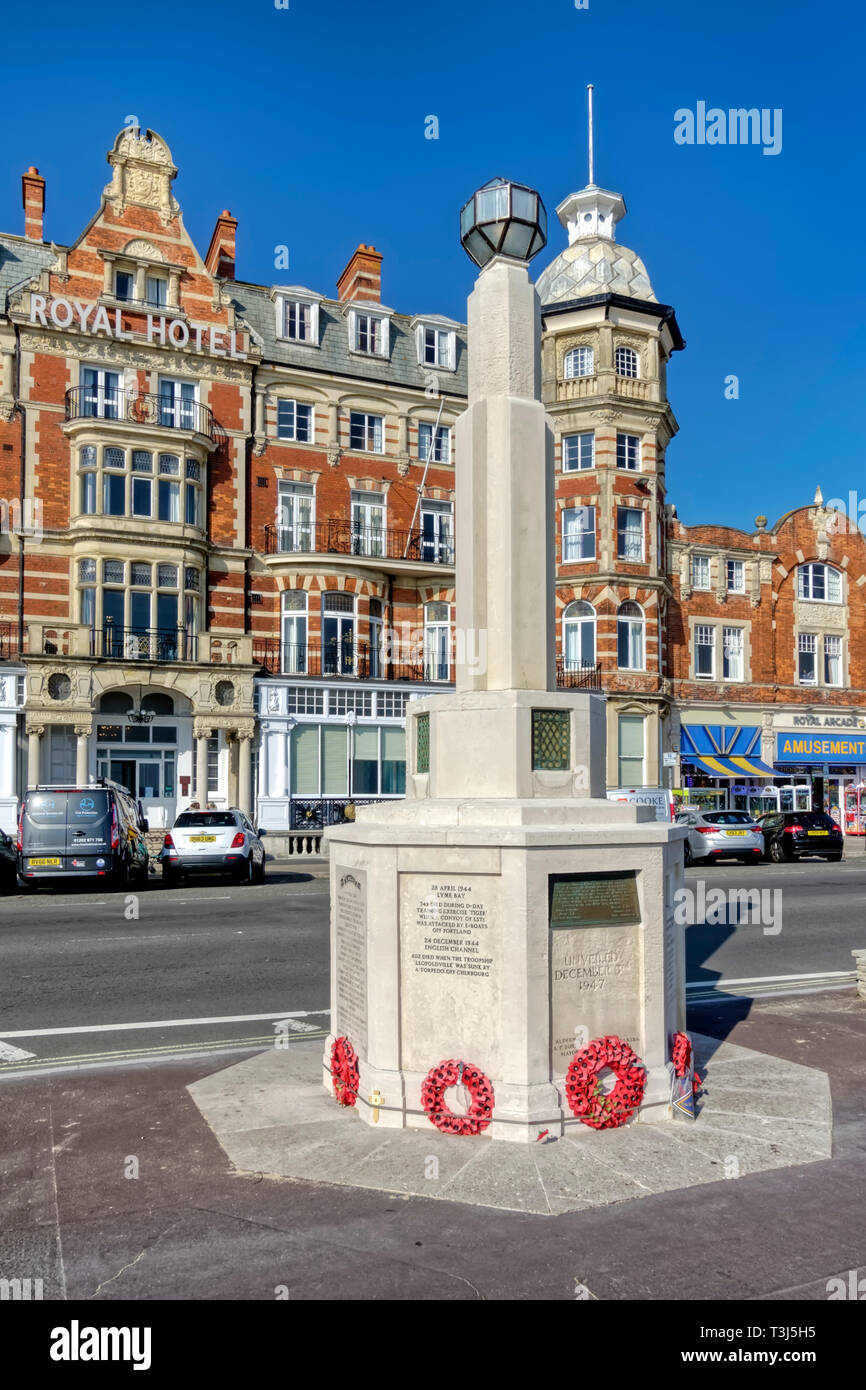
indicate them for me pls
(659, 797)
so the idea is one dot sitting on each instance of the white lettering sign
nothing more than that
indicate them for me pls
(167, 332)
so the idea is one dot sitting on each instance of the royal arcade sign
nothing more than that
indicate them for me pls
(171, 332)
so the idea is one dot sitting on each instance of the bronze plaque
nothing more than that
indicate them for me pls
(594, 900)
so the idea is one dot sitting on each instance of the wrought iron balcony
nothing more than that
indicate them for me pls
(135, 407)
(340, 537)
(574, 675)
(112, 643)
(357, 661)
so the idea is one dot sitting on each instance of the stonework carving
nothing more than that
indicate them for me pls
(821, 615)
(335, 453)
(142, 173)
(131, 354)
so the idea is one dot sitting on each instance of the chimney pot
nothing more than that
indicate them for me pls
(220, 258)
(33, 200)
(362, 278)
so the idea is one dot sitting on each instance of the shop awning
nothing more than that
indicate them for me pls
(730, 767)
(724, 750)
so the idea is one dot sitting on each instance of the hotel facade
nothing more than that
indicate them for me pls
(227, 550)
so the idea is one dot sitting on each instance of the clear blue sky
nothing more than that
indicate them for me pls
(308, 124)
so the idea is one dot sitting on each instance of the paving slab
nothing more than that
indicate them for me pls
(757, 1113)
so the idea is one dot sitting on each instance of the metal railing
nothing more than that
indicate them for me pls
(112, 643)
(316, 812)
(340, 537)
(138, 408)
(574, 675)
(358, 661)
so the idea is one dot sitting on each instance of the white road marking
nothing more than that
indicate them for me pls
(165, 1023)
(13, 1054)
(842, 975)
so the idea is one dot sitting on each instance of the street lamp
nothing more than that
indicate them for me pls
(503, 219)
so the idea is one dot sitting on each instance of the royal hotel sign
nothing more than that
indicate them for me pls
(171, 332)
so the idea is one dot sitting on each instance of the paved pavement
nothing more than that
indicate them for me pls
(188, 1227)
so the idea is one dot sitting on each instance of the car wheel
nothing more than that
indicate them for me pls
(260, 871)
(833, 858)
(777, 852)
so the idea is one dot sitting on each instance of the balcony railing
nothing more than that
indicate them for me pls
(138, 408)
(574, 675)
(112, 643)
(314, 813)
(336, 537)
(357, 661)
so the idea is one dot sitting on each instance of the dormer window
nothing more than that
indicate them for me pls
(370, 334)
(437, 347)
(297, 320)
(297, 316)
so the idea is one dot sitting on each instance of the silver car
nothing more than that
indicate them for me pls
(213, 842)
(721, 835)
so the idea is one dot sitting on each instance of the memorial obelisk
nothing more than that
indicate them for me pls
(505, 912)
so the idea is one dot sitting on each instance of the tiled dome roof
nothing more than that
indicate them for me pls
(597, 266)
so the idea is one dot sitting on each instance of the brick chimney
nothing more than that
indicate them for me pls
(33, 198)
(220, 258)
(362, 278)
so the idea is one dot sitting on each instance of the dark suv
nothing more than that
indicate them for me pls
(793, 834)
(82, 832)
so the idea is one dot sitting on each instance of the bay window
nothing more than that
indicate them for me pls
(578, 534)
(580, 361)
(578, 451)
(628, 452)
(630, 624)
(629, 526)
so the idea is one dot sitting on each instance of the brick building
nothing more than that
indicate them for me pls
(227, 551)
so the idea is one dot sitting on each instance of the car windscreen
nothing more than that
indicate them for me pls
(728, 818)
(204, 820)
(812, 820)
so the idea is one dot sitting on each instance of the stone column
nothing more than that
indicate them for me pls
(34, 736)
(244, 771)
(505, 491)
(81, 734)
(7, 759)
(278, 760)
(201, 769)
(260, 431)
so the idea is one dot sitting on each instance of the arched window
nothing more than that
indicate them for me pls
(578, 635)
(626, 361)
(579, 362)
(158, 703)
(437, 641)
(116, 702)
(339, 655)
(630, 624)
(294, 632)
(820, 583)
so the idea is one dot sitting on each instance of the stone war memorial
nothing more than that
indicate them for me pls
(505, 914)
(505, 959)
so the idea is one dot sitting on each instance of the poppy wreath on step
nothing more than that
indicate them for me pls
(456, 1073)
(344, 1071)
(681, 1056)
(583, 1089)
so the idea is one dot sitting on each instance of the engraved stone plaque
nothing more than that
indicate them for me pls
(595, 967)
(350, 912)
(449, 929)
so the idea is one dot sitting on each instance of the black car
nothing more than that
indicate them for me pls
(8, 864)
(793, 834)
(82, 832)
